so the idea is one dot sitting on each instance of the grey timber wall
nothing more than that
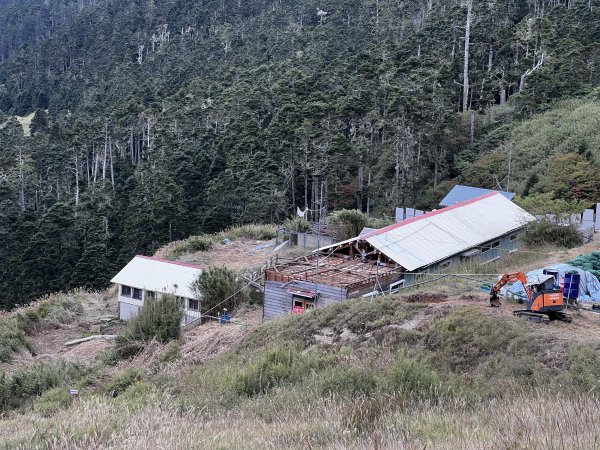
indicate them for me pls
(278, 301)
(127, 311)
(506, 246)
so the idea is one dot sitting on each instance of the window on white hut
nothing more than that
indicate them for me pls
(193, 304)
(150, 295)
(137, 294)
(126, 291)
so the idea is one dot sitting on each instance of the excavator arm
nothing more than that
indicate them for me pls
(503, 281)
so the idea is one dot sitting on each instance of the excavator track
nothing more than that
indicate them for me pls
(544, 317)
(534, 317)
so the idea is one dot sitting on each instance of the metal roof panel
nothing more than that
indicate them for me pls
(159, 275)
(437, 235)
(460, 193)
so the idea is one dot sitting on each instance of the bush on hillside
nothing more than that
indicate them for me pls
(200, 243)
(12, 338)
(52, 401)
(546, 203)
(546, 232)
(158, 319)
(121, 382)
(377, 223)
(251, 231)
(34, 380)
(297, 225)
(346, 223)
(219, 287)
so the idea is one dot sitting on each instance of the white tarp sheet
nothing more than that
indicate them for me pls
(589, 286)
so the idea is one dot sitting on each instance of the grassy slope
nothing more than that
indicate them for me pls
(409, 371)
(393, 370)
(567, 126)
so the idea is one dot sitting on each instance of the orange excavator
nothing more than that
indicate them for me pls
(544, 302)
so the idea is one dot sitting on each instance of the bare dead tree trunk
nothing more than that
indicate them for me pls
(503, 96)
(361, 182)
(490, 58)
(528, 72)
(469, 20)
(105, 157)
(112, 168)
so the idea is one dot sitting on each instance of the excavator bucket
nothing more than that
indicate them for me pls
(494, 301)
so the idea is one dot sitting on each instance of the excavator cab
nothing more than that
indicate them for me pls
(546, 296)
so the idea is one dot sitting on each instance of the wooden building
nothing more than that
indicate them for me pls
(319, 280)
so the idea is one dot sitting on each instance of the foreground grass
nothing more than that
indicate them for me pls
(358, 374)
(541, 419)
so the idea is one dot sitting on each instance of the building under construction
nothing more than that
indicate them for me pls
(481, 229)
(319, 280)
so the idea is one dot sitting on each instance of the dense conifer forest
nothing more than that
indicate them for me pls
(125, 124)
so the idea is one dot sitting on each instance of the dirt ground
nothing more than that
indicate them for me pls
(48, 341)
(240, 254)
(584, 327)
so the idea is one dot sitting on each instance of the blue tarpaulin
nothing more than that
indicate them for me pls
(589, 286)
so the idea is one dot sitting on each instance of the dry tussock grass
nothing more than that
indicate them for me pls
(540, 420)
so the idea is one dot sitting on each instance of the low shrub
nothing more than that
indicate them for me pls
(12, 338)
(547, 232)
(64, 310)
(377, 223)
(346, 223)
(34, 380)
(297, 225)
(52, 401)
(200, 243)
(219, 287)
(158, 319)
(252, 231)
(275, 367)
(347, 381)
(412, 377)
(121, 382)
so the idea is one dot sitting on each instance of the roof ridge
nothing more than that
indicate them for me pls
(430, 214)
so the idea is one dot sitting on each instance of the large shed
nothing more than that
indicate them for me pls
(481, 229)
(145, 277)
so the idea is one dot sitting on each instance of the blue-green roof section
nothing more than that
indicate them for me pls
(460, 193)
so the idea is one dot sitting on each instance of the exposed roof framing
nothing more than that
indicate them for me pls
(332, 270)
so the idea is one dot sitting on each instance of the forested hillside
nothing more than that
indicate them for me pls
(158, 119)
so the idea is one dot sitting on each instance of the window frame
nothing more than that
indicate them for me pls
(445, 264)
(304, 302)
(189, 304)
(123, 293)
(137, 294)
(492, 245)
